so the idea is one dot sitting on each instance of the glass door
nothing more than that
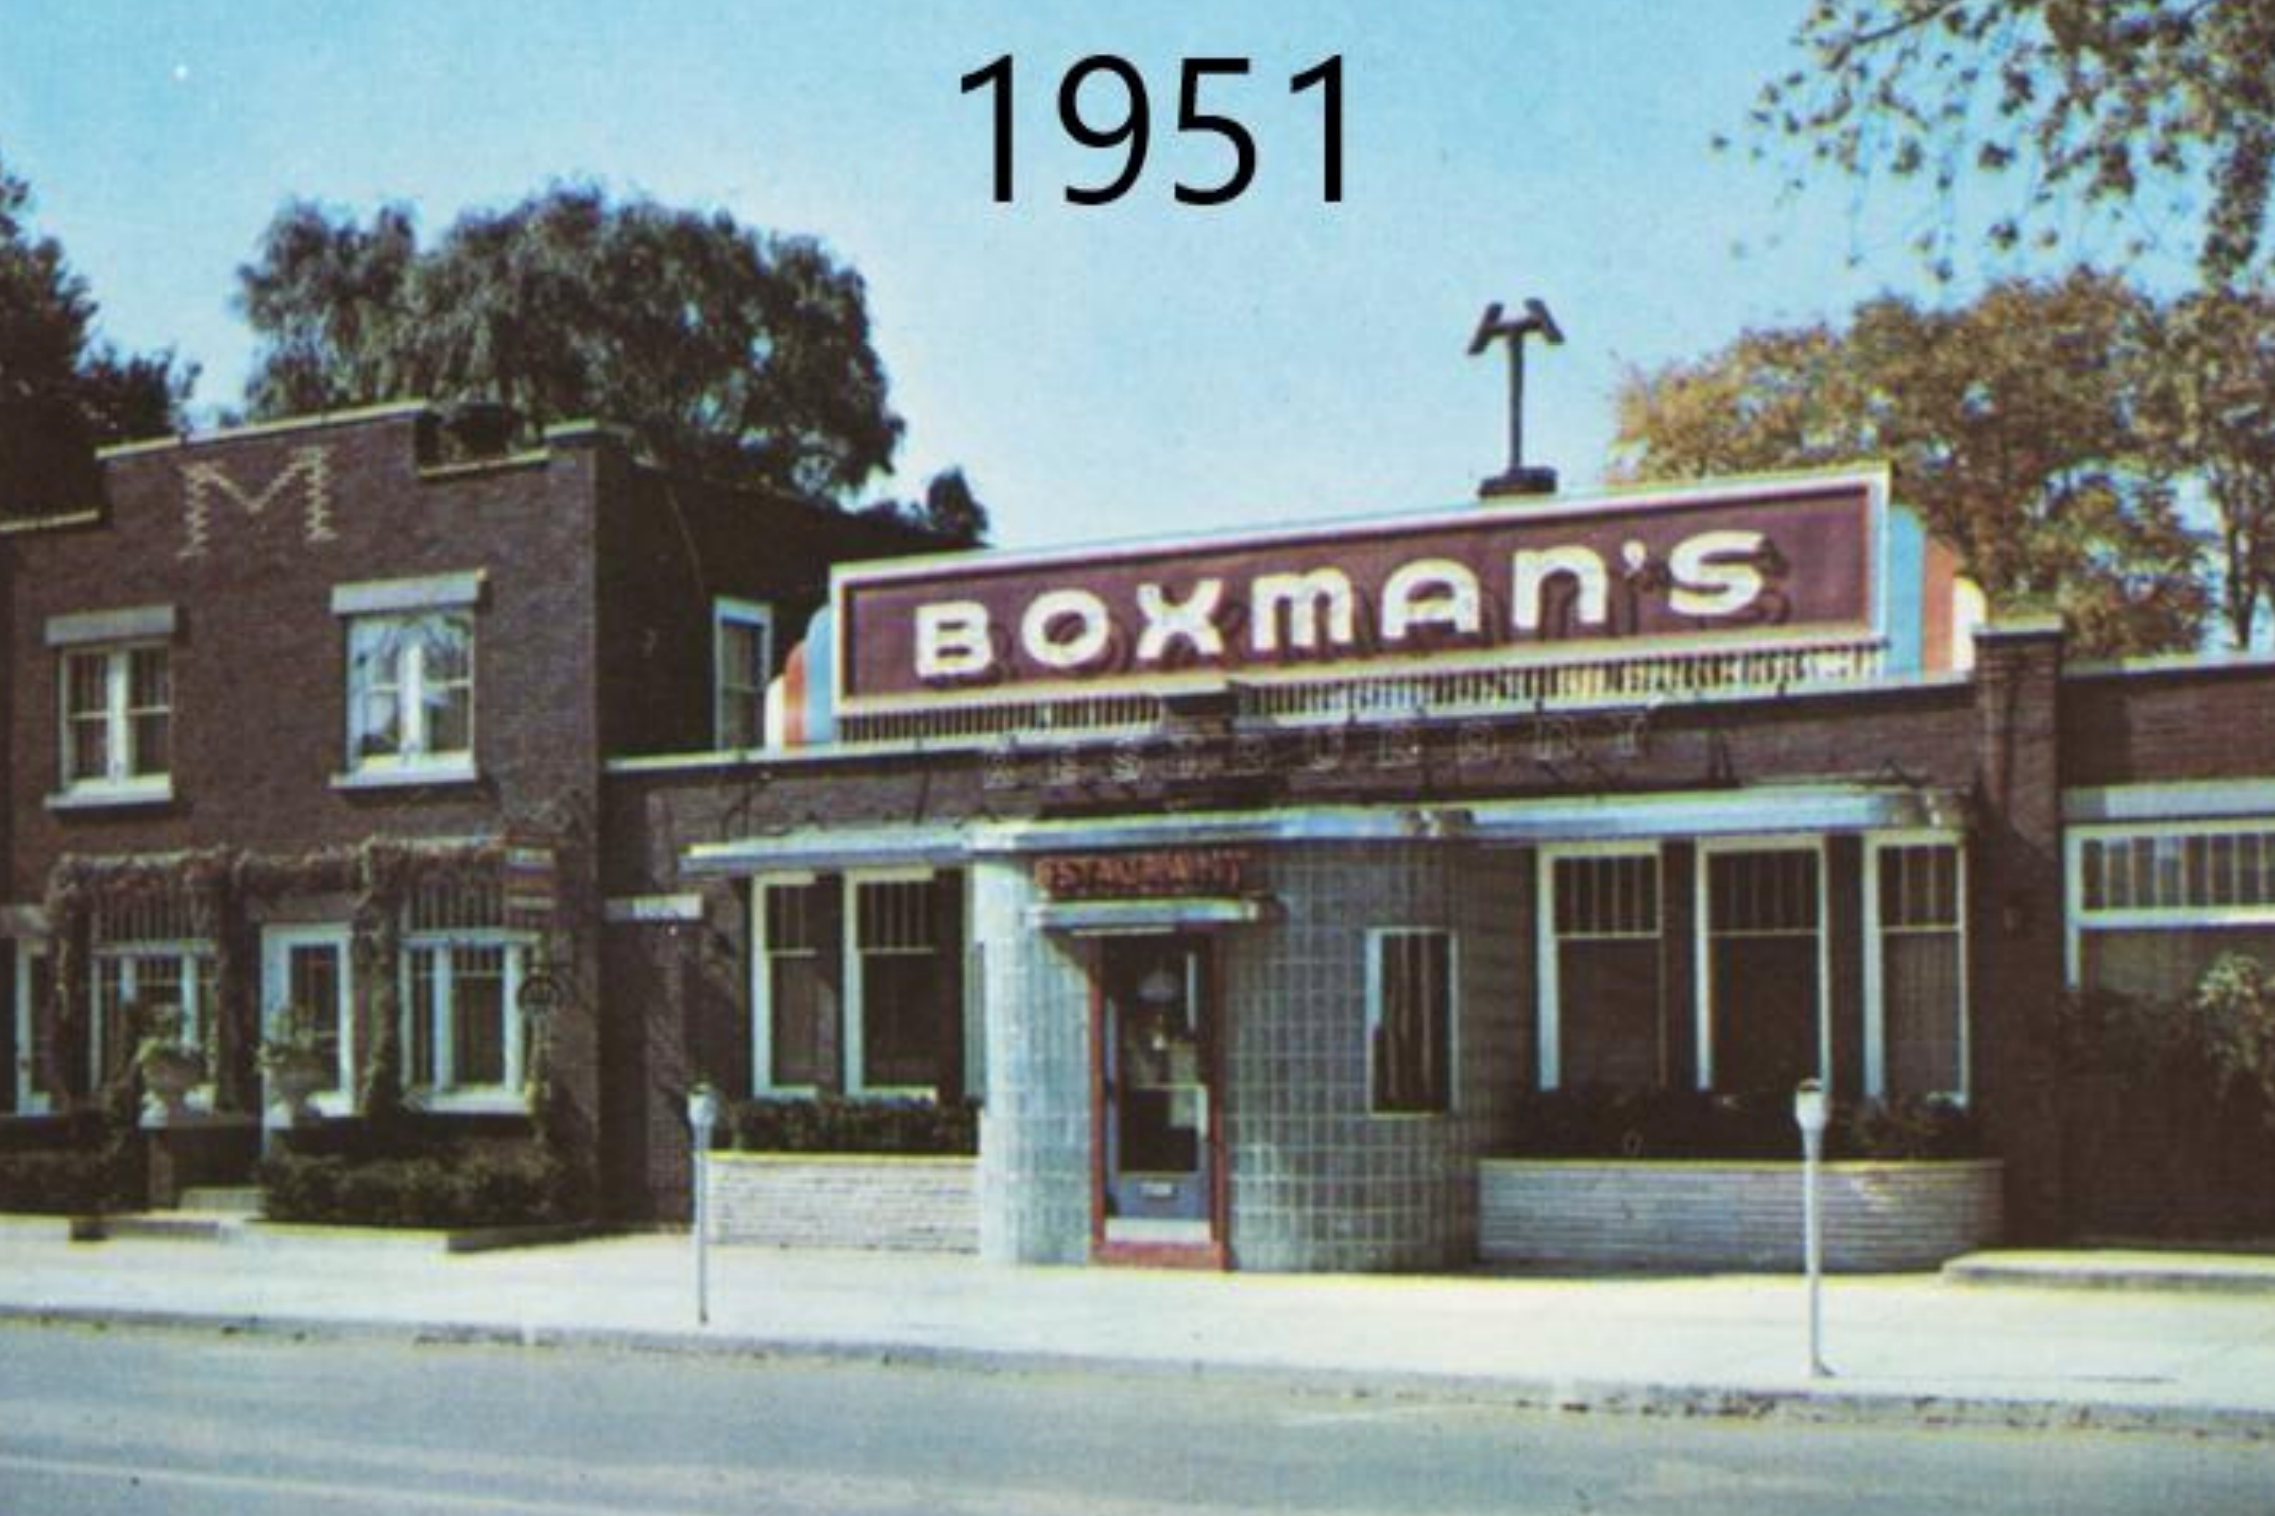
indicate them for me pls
(306, 974)
(1155, 1082)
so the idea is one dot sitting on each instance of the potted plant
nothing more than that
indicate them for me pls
(294, 1061)
(170, 1065)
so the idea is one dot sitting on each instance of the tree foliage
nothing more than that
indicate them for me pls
(740, 354)
(2017, 425)
(2136, 107)
(63, 389)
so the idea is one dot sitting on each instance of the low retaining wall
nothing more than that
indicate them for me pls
(1590, 1214)
(823, 1200)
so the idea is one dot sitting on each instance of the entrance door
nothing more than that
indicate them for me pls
(310, 967)
(1155, 1053)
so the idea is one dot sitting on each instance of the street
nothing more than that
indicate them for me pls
(117, 1421)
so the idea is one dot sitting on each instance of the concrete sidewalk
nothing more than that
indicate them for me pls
(1907, 1350)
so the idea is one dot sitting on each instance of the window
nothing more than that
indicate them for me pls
(742, 654)
(411, 691)
(2153, 906)
(1409, 1020)
(117, 718)
(798, 1003)
(1916, 969)
(465, 1044)
(30, 987)
(1763, 1026)
(857, 982)
(902, 976)
(1600, 986)
(134, 982)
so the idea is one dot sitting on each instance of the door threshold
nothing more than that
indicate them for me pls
(1118, 1252)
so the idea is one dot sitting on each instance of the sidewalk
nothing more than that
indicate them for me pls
(1907, 1350)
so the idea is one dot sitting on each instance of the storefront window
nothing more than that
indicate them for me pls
(1764, 971)
(1920, 967)
(2154, 907)
(902, 978)
(1410, 1020)
(1601, 994)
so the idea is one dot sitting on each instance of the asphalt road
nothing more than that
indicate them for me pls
(94, 1421)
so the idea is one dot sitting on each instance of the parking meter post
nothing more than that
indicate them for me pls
(1812, 1113)
(702, 1117)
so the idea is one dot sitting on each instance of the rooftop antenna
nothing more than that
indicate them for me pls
(1517, 479)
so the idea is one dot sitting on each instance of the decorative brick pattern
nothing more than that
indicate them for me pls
(1879, 1217)
(920, 1205)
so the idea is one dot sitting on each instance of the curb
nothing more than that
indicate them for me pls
(1785, 1404)
(1979, 1276)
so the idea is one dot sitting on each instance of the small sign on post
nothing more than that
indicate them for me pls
(1812, 1112)
(702, 1117)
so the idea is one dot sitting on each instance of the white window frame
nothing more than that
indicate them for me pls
(31, 1100)
(1702, 928)
(2077, 920)
(277, 943)
(510, 1097)
(856, 1025)
(1875, 968)
(120, 781)
(762, 987)
(727, 611)
(1546, 941)
(851, 1022)
(1376, 937)
(411, 762)
(197, 1017)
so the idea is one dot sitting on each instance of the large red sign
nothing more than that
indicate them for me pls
(1493, 584)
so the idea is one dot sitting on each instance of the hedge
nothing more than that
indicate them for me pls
(834, 1124)
(480, 1187)
(1594, 1121)
(66, 1181)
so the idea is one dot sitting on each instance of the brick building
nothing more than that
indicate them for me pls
(314, 714)
(1249, 882)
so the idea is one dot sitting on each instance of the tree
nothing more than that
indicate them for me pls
(62, 390)
(731, 352)
(2115, 102)
(949, 511)
(2212, 402)
(2015, 425)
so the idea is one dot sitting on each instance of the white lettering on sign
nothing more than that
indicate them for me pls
(1430, 592)
(952, 640)
(1302, 601)
(1066, 629)
(1532, 569)
(1715, 573)
(1171, 621)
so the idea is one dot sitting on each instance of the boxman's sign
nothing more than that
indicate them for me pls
(1793, 562)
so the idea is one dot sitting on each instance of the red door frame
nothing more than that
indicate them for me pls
(1215, 1253)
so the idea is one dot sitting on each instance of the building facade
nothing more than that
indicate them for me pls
(313, 716)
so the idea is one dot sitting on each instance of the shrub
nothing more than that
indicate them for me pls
(66, 1181)
(1597, 1121)
(833, 1124)
(517, 1186)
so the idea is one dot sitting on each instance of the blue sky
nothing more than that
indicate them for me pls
(1139, 368)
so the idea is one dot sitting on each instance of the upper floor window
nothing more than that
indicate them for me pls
(742, 658)
(411, 690)
(118, 706)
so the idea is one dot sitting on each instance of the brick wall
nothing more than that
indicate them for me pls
(928, 1205)
(1707, 1216)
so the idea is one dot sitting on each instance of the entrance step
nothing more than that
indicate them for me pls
(164, 1226)
(222, 1200)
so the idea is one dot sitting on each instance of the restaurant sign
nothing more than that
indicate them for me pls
(1790, 562)
(1163, 873)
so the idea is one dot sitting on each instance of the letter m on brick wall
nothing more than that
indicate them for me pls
(306, 475)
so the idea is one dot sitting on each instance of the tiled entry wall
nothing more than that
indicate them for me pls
(1318, 1180)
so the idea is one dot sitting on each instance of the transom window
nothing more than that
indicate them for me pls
(2153, 906)
(411, 690)
(117, 717)
(742, 651)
